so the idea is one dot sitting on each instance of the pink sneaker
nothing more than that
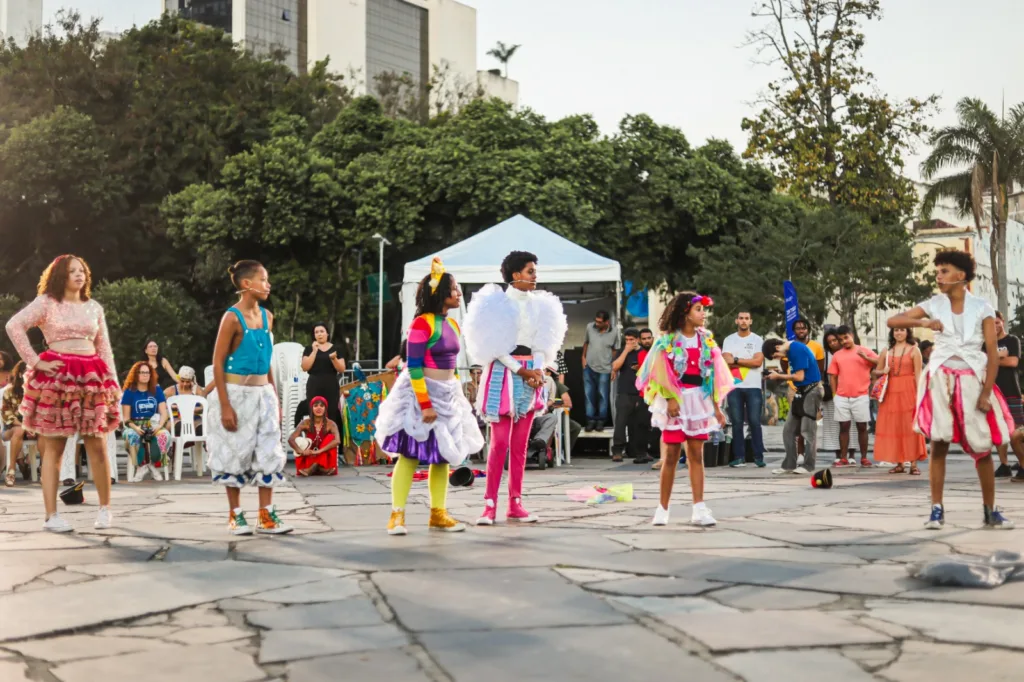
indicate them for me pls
(517, 513)
(487, 518)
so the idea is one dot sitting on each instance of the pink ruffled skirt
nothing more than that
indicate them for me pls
(80, 397)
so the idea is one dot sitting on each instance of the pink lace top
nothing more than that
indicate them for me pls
(61, 321)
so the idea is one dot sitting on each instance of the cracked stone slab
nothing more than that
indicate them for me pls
(390, 664)
(293, 645)
(694, 539)
(337, 614)
(333, 589)
(1007, 594)
(210, 635)
(530, 598)
(804, 556)
(771, 630)
(875, 580)
(771, 598)
(247, 605)
(589, 575)
(107, 599)
(74, 647)
(616, 652)
(188, 664)
(12, 576)
(672, 606)
(11, 671)
(872, 657)
(651, 586)
(775, 666)
(62, 577)
(927, 662)
(963, 623)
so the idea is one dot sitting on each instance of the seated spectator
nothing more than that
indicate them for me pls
(187, 385)
(545, 425)
(14, 433)
(6, 368)
(144, 413)
(315, 442)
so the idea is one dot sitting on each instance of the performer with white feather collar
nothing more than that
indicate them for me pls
(514, 333)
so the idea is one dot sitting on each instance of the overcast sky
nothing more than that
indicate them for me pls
(683, 61)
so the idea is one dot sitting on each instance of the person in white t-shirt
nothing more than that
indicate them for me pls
(957, 399)
(742, 352)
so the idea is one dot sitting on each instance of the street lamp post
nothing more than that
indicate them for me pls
(380, 301)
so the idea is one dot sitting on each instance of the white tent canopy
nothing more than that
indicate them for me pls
(477, 260)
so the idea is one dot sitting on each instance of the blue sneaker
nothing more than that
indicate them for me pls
(938, 518)
(736, 463)
(759, 463)
(994, 520)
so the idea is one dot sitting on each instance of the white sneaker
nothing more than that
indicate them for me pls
(660, 516)
(780, 472)
(161, 474)
(104, 519)
(801, 471)
(55, 524)
(702, 516)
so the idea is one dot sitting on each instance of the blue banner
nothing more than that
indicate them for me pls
(792, 307)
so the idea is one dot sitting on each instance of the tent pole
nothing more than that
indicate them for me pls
(618, 305)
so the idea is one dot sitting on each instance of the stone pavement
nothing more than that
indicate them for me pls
(794, 584)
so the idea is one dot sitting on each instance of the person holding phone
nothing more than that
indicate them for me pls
(320, 360)
(632, 418)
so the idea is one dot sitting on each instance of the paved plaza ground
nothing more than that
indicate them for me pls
(794, 584)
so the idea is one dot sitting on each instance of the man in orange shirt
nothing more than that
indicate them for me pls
(850, 377)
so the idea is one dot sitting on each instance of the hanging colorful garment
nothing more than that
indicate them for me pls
(362, 404)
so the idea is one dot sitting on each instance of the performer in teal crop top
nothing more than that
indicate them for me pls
(244, 422)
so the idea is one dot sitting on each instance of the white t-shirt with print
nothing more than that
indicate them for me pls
(744, 348)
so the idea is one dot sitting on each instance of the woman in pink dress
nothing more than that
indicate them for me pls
(71, 388)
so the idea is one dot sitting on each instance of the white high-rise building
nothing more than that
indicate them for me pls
(19, 19)
(364, 38)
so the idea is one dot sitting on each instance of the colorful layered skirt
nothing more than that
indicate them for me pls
(79, 397)
(450, 439)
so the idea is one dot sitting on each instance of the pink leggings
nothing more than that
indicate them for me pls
(508, 438)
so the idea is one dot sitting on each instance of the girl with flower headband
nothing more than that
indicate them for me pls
(684, 381)
(426, 418)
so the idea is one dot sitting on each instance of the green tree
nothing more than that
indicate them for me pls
(987, 153)
(138, 310)
(824, 130)
(9, 305)
(503, 53)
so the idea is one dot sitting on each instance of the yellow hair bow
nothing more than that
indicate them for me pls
(436, 272)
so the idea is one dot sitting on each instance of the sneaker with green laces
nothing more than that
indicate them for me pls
(237, 525)
(270, 523)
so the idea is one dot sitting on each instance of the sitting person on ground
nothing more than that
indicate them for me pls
(144, 412)
(315, 442)
(186, 385)
(14, 433)
(544, 426)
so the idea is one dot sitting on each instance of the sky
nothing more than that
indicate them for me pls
(684, 63)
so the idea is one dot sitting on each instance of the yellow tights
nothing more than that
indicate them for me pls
(401, 483)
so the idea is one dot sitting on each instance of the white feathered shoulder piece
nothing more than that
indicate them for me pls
(491, 325)
(548, 323)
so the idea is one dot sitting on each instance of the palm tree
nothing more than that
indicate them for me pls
(503, 53)
(988, 154)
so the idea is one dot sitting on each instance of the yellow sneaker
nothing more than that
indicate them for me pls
(396, 524)
(442, 521)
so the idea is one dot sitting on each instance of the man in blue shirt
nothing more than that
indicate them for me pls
(803, 414)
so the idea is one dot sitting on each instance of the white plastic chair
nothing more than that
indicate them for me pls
(208, 376)
(186, 406)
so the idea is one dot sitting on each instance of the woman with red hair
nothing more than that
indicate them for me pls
(315, 442)
(72, 386)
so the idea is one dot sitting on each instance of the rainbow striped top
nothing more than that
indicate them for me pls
(433, 342)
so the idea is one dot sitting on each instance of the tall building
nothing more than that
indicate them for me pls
(365, 38)
(20, 18)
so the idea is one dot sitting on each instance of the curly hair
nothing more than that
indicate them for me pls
(676, 311)
(54, 280)
(18, 381)
(515, 262)
(910, 336)
(132, 380)
(428, 301)
(961, 260)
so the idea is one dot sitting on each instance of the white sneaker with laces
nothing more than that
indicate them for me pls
(104, 519)
(801, 470)
(55, 524)
(702, 516)
(140, 474)
(660, 516)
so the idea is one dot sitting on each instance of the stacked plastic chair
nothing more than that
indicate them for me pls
(291, 385)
